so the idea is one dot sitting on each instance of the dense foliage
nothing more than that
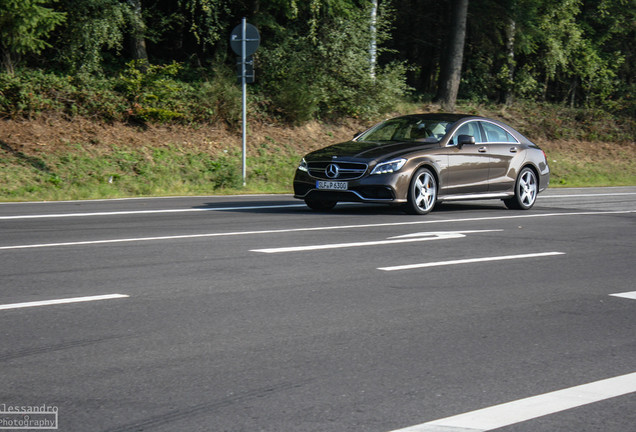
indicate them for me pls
(169, 60)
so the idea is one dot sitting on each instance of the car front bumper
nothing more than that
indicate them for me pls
(382, 188)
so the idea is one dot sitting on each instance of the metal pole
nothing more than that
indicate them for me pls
(244, 87)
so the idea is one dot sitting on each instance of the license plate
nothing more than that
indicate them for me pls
(331, 185)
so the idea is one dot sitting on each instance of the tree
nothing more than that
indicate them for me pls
(565, 51)
(373, 48)
(24, 25)
(93, 26)
(207, 20)
(137, 36)
(451, 71)
(319, 66)
(510, 32)
(609, 27)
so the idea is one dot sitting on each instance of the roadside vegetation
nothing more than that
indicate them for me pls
(105, 98)
(70, 159)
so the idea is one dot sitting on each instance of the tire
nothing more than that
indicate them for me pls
(526, 190)
(320, 205)
(422, 194)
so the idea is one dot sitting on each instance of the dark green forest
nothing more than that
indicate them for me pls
(170, 60)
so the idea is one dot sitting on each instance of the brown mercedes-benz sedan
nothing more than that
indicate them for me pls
(419, 160)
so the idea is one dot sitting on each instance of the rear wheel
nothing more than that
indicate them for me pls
(422, 192)
(526, 190)
(320, 205)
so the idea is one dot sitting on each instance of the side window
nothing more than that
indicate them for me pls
(470, 128)
(495, 134)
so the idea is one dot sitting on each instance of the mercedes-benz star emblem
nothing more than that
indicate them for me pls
(332, 171)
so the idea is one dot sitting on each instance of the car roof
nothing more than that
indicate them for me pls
(449, 117)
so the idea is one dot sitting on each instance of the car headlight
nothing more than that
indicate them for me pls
(389, 167)
(303, 166)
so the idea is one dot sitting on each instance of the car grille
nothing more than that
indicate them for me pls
(346, 170)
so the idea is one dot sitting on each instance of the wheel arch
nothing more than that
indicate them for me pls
(534, 169)
(431, 167)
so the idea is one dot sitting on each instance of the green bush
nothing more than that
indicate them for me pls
(219, 98)
(144, 93)
(30, 93)
(150, 91)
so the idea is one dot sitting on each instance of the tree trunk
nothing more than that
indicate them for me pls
(7, 61)
(373, 48)
(451, 72)
(510, 60)
(138, 41)
(573, 88)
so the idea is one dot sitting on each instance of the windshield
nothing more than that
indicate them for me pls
(410, 128)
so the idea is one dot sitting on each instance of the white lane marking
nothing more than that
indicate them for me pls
(160, 198)
(585, 195)
(123, 240)
(408, 238)
(144, 212)
(326, 228)
(442, 233)
(468, 261)
(62, 301)
(628, 295)
(147, 198)
(529, 408)
(190, 210)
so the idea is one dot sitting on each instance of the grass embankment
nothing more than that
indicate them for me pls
(81, 170)
(52, 159)
(584, 147)
(126, 172)
(56, 159)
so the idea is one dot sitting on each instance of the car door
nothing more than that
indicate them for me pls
(467, 170)
(502, 148)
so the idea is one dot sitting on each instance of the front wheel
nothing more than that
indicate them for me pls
(526, 189)
(422, 194)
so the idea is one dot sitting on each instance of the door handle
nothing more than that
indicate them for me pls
(482, 150)
(513, 149)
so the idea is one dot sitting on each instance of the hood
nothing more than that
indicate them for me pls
(367, 150)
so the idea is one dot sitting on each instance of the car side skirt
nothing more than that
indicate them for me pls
(353, 196)
(477, 196)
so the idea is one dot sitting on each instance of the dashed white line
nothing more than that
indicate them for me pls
(529, 408)
(468, 261)
(62, 301)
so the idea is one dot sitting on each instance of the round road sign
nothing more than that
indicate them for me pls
(252, 39)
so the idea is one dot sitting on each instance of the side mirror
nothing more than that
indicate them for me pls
(465, 139)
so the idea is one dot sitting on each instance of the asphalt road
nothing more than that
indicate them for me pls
(254, 313)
